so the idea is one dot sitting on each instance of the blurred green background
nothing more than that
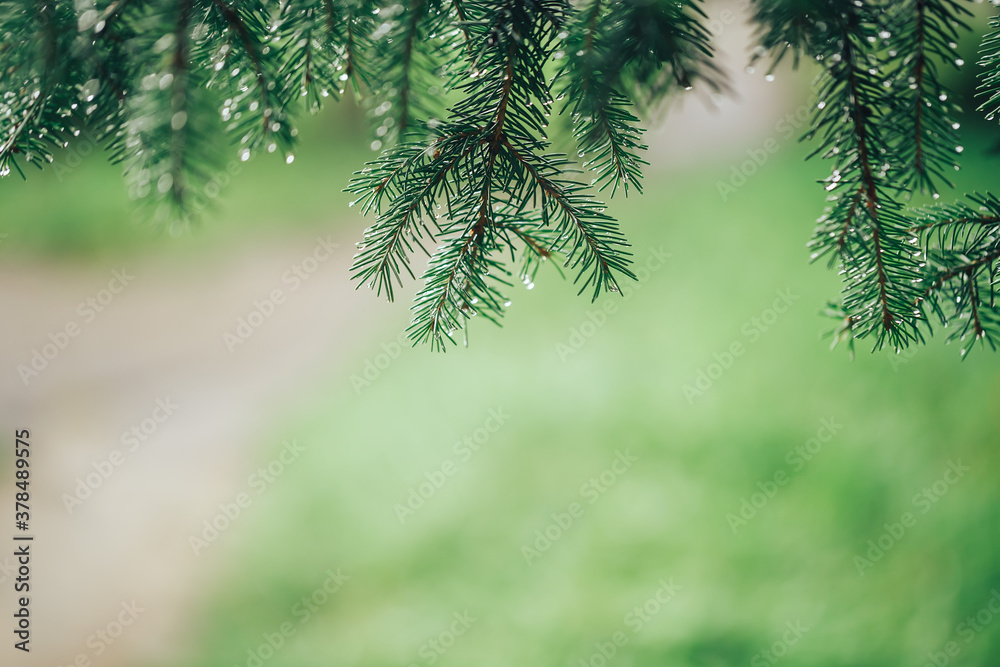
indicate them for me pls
(370, 439)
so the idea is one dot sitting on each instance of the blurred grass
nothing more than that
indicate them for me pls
(84, 212)
(666, 517)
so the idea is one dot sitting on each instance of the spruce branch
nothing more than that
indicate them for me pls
(483, 185)
(39, 80)
(461, 94)
(662, 46)
(588, 237)
(961, 245)
(247, 70)
(413, 39)
(169, 114)
(411, 180)
(989, 61)
(796, 26)
(864, 229)
(924, 34)
(604, 128)
(106, 35)
(325, 45)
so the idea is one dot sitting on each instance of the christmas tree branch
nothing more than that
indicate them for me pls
(924, 33)
(865, 229)
(962, 247)
(603, 127)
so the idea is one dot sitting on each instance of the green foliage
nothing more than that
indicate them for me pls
(39, 107)
(863, 228)
(887, 123)
(483, 184)
(461, 94)
(962, 245)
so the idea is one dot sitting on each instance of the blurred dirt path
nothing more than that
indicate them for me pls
(155, 351)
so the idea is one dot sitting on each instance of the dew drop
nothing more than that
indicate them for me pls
(289, 158)
(178, 120)
(165, 183)
(87, 20)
